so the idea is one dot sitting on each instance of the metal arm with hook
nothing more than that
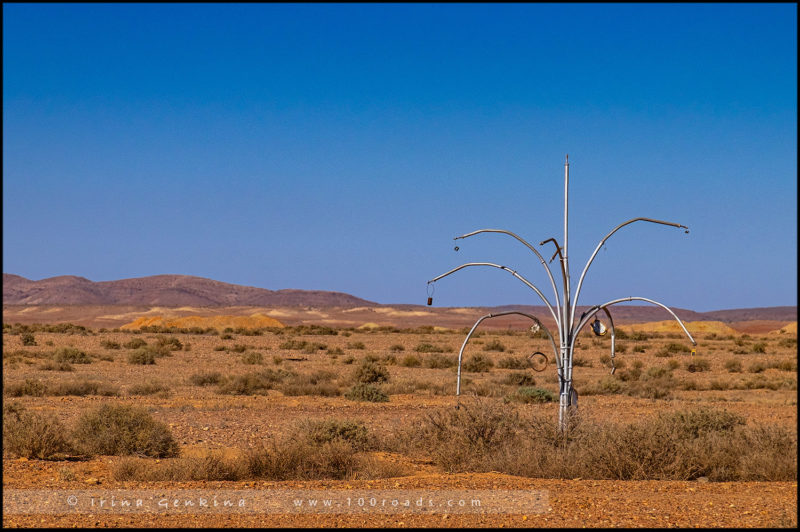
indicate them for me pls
(600, 245)
(512, 272)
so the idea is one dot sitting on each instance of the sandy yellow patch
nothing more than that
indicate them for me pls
(254, 321)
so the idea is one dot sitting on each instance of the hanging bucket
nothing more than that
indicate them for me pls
(598, 328)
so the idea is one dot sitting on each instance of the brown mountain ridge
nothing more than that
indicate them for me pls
(191, 291)
(163, 290)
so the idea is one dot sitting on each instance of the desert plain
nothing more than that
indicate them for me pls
(367, 397)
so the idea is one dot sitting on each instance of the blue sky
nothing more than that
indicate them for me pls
(342, 147)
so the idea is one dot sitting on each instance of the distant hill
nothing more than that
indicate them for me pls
(163, 290)
(189, 291)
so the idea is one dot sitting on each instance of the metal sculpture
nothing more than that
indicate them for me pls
(565, 304)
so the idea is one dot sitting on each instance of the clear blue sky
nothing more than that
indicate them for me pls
(341, 147)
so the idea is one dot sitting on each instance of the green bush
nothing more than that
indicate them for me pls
(108, 344)
(396, 348)
(356, 345)
(123, 430)
(759, 347)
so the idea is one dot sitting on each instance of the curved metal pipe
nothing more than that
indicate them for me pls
(535, 251)
(594, 310)
(512, 272)
(471, 331)
(613, 339)
(617, 228)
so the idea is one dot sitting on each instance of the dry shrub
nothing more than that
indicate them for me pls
(410, 361)
(123, 430)
(697, 364)
(512, 363)
(150, 388)
(82, 388)
(142, 356)
(527, 394)
(429, 348)
(461, 439)
(313, 450)
(368, 393)
(580, 362)
(71, 355)
(477, 364)
(317, 383)
(169, 342)
(253, 383)
(253, 357)
(682, 445)
(134, 343)
(32, 387)
(518, 379)
(56, 366)
(733, 365)
(210, 466)
(32, 435)
(607, 385)
(354, 433)
(205, 379)
(437, 361)
(783, 365)
(494, 345)
(370, 372)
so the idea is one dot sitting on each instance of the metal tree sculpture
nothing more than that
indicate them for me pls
(565, 304)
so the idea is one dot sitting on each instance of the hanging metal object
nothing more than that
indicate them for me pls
(537, 361)
(598, 328)
(431, 289)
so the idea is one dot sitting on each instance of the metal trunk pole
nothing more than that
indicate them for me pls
(566, 326)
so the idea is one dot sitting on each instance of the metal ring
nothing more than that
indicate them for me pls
(541, 363)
